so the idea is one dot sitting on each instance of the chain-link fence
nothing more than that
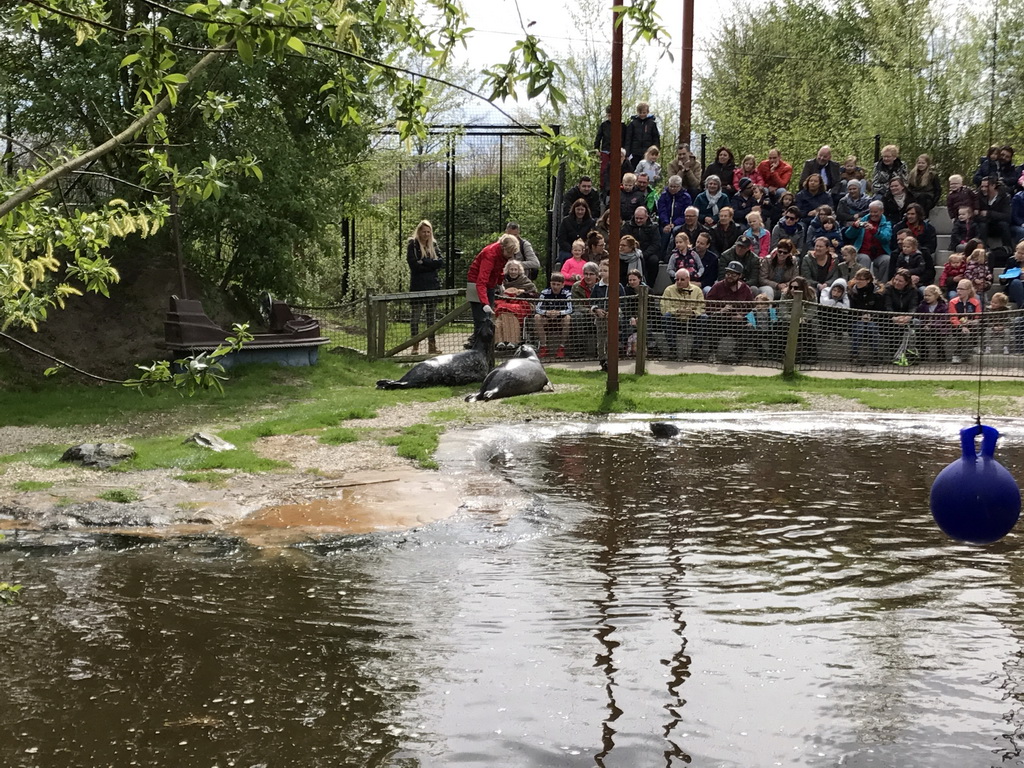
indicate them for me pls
(784, 335)
(468, 181)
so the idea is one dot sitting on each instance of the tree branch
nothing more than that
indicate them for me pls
(126, 135)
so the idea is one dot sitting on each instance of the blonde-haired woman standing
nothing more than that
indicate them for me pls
(424, 262)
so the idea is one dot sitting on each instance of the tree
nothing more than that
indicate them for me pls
(165, 67)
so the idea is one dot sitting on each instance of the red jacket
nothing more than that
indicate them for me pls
(487, 270)
(779, 178)
(961, 312)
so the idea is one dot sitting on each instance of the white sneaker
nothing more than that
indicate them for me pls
(1006, 349)
(955, 360)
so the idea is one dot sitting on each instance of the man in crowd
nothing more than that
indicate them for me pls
(682, 311)
(649, 240)
(708, 258)
(993, 211)
(823, 165)
(724, 233)
(776, 173)
(672, 205)
(728, 302)
(531, 262)
(583, 190)
(643, 183)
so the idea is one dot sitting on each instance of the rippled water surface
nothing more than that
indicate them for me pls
(738, 597)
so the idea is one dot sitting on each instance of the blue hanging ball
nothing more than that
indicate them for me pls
(975, 499)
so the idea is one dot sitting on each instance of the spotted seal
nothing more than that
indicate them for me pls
(448, 370)
(522, 374)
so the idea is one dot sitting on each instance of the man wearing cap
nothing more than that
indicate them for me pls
(682, 310)
(728, 302)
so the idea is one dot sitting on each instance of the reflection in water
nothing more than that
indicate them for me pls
(740, 598)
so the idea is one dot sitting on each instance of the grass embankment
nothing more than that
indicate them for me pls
(322, 401)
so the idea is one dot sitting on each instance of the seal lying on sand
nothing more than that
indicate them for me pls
(448, 370)
(520, 375)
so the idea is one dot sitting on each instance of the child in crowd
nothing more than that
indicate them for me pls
(572, 268)
(650, 165)
(832, 318)
(978, 272)
(553, 314)
(763, 331)
(932, 323)
(849, 265)
(965, 317)
(757, 232)
(964, 227)
(997, 324)
(684, 257)
(835, 295)
(952, 273)
(959, 196)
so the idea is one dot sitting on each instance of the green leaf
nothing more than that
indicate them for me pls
(175, 77)
(297, 45)
(381, 12)
(244, 50)
(131, 58)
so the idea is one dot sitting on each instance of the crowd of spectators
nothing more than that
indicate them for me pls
(730, 252)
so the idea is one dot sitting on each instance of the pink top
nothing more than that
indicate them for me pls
(572, 269)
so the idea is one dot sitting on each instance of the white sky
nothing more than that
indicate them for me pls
(496, 25)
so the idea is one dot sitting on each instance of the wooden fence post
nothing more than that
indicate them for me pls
(371, 328)
(793, 337)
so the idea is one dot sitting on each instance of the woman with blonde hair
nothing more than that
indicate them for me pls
(424, 261)
(923, 183)
(511, 307)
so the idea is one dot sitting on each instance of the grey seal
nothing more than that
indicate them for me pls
(522, 374)
(448, 370)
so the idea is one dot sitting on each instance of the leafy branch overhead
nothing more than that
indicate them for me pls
(184, 61)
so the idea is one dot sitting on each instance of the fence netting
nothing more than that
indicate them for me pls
(416, 326)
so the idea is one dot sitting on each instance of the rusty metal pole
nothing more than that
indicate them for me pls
(614, 222)
(686, 81)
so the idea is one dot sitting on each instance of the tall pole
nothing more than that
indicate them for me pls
(614, 223)
(686, 79)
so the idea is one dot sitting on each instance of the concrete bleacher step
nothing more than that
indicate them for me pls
(939, 219)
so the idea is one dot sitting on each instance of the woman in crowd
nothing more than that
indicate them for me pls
(780, 267)
(723, 168)
(865, 303)
(511, 307)
(915, 221)
(901, 300)
(424, 262)
(774, 212)
(596, 249)
(820, 266)
(897, 200)
(923, 183)
(574, 227)
(853, 203)
(888, 168)
(710, 201)
(789, 228)
(812, 196)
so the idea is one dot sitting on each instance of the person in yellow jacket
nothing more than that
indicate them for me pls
(682, 312)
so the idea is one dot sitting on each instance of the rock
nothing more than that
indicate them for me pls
(663, 429)
(100, 455)
(115, 515)
(212, 442)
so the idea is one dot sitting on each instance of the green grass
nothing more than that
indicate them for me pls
(339, 436)
(262, 401)
(216, 479)
(121, 495)
(418, 442)
(32, 485)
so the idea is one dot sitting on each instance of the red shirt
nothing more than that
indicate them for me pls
(487, 270)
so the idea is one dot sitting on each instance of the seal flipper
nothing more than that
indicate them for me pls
(392, 384)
